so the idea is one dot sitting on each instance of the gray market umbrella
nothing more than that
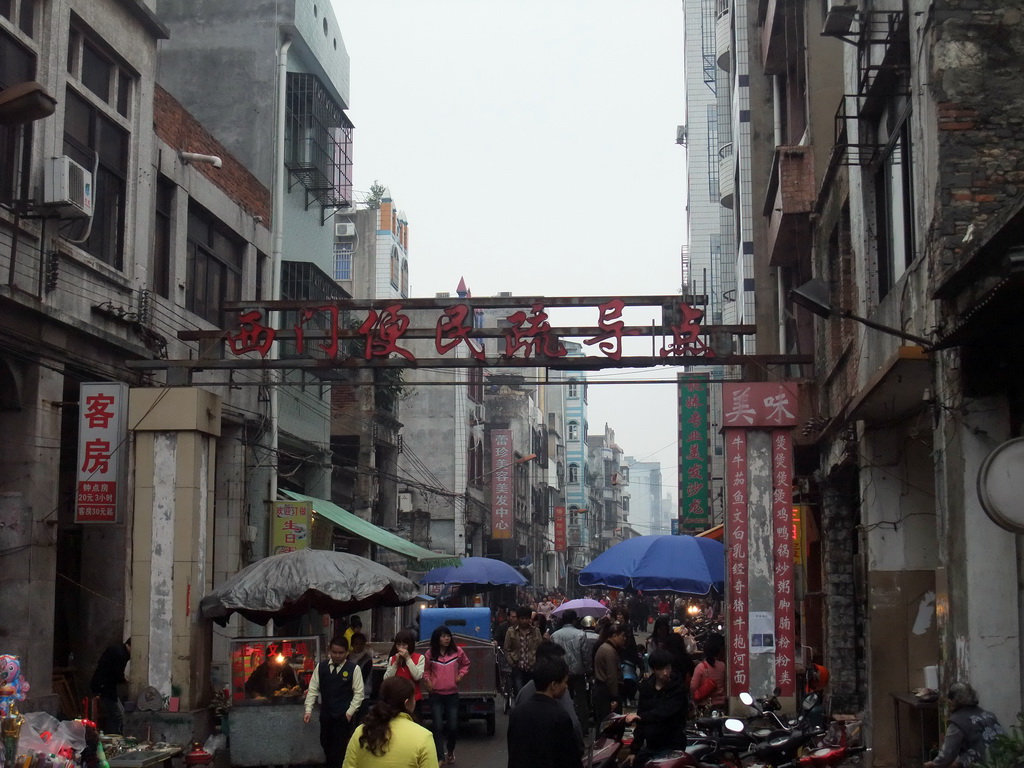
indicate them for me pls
(286, 586)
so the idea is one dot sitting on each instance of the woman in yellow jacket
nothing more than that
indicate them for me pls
(388, 737)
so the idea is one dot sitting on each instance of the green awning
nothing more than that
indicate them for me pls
(420, 559)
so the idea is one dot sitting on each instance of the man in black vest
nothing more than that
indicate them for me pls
(339, 684)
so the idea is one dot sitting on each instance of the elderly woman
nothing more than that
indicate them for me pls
(971, 730)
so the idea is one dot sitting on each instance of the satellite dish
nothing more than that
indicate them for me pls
(1001, 485)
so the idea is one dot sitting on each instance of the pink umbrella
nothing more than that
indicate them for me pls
(583, 607)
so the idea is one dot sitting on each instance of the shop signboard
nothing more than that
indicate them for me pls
(737, 560)
(561, 543)
(102, 452)
(502, 487)
(694, 466)
(290, 526)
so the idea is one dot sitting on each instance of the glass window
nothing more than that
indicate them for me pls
(574, 388)
(574, 430)
(213, 268)
(95, 141)
(5, 8)
(574, 473)
(17, 64)
(96, 71)
(162, 238)
(343, 261)
(27, 17)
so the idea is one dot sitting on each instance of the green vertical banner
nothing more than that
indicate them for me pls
(694, 463)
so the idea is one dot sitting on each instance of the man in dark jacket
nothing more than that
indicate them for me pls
(540, 732)
(661, 711)
(109, 675)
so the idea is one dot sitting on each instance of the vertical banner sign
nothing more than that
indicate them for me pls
(736, 559)
(501, 484)
(782, 546)
(290, 526)
(102, 448)
(561, 543)
(694, 468)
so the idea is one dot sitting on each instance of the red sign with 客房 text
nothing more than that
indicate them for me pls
(102, 434)
(736, 563)
(502, 485)
(782, 545)
(561, 542)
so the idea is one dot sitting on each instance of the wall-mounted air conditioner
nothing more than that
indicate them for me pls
(681, 135)
(839, 16)
(344, 229)
(67, 188)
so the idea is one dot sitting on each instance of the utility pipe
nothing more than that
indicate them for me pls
(276, 252)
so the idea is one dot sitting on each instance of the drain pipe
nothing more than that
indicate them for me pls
(276, 252)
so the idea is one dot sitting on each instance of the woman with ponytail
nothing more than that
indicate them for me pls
(388, 736)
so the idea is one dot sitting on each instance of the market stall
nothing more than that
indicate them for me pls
(270, 675)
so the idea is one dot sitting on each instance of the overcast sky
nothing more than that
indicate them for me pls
(531, 145)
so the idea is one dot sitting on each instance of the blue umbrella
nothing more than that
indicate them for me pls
(476, 570)
(688, 564)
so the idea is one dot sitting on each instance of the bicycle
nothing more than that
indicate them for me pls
(506, 687)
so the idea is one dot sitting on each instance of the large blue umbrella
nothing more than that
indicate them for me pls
(476, 570)
(688, 564)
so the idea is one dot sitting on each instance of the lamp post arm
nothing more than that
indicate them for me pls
(926, 343)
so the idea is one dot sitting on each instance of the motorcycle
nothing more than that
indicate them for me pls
(781, 746)
(604, 750)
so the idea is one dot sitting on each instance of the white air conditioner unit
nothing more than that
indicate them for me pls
(681, 135)
(67, 188)
(839, 16)
(344, 229)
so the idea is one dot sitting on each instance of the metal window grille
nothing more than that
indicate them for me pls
(343, 261)
(708, 43)
(303, 280)
(318, 139)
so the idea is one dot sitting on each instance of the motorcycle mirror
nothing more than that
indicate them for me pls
(734, 725)
(746, 698)
(810, 702)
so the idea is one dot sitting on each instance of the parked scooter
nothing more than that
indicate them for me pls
(782, 745)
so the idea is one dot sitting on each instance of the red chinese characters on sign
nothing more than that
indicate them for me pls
(502, 486)
(382, 332)
(770, 405)
(306, 317)
(561, 539)
(101, 438)
(452, 330)
(686, 341)
(252, 335)
(531, 332)
(782, 546)
(610, 322)
(737, 557)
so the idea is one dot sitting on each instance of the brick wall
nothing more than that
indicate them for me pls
(177, 128)
(978, 94)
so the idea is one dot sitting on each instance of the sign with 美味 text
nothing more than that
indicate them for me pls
(102, 438)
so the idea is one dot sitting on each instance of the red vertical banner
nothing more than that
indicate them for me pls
(737, 553)
(502, 492)
(561, 543)
(782, 550)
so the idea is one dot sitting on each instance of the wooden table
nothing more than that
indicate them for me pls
(914, 743)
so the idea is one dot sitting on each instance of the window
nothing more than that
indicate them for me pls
(894, 194)
(214, 267)
(574, 388)
(17, 65)
(100, 72)
(94, 140)
(21, 13)
(574, 430)
(162, 216)
(476, 385)
(405, 278)
(574, 474)
(318, 141)
(395, 276)
(343, 261)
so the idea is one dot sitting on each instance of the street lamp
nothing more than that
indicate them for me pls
(813, 296)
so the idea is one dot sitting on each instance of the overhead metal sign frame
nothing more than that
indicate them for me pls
(331, 336)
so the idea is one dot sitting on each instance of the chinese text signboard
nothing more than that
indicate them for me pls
(502, 487)
(561, 543)
(290, 526)
(102, 437)
(694, 468)
(782, 544)
(736, 559)
(529, 333)
(769, 408)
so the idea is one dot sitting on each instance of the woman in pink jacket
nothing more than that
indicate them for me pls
(446, 664)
